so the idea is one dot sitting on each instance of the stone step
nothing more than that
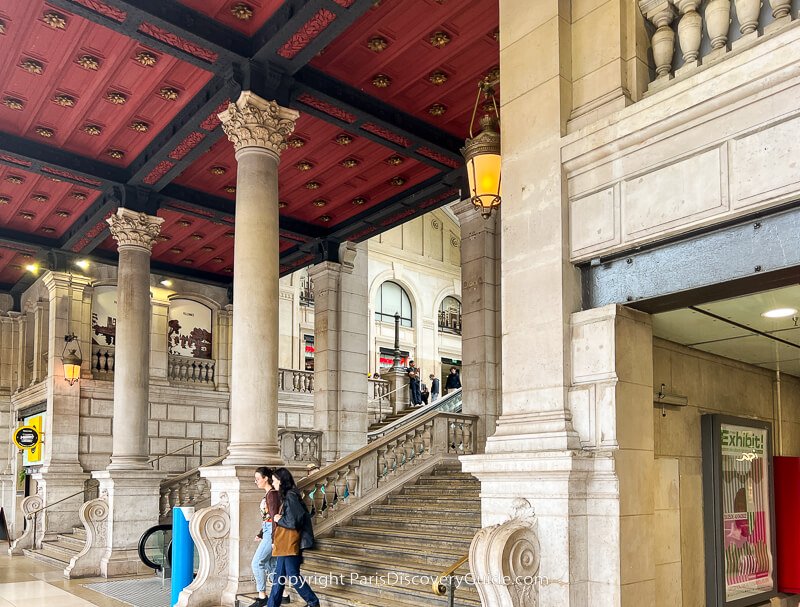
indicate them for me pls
(443, 513)
(416, 523)
(378, 550)
(360, 590)
(448, 483)
(456, 542)
(72, 539)
(461, 502)
(65, 550)
(45, 556)
(435, 490)
(79, 532)
(378, 563)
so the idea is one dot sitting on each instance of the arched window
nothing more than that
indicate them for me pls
(450, 315)
(393, 299)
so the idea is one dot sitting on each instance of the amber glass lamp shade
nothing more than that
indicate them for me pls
(71, 361)
(482, 156)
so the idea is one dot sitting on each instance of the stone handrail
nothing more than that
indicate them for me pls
(188, 370)
(102, 362)
(705, 36)
(450, 403)
(187, 489)
(368, 474)
(295, 380)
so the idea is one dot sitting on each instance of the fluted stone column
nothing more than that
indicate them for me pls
(258, 130)
(131, 484)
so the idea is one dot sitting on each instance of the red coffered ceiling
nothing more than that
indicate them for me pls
(12, 263)
(418, 55)
(72, 84)
(326, 158)
(35, 204)
(245, 17)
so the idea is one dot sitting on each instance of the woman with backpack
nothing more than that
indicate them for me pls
(292, 533)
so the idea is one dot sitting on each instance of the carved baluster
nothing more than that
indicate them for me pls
(690, 29)
(281, 379)
(718, 22)
(319, 499)
(418, 446)
(352, 481)
(427, 438)
(330, 489)
(748, 12)
(173, 496)
(467, 437)
(341, 485)
(310, 383)
(780, 8)
(163, 503)
(408, 445)
(391, 458)
(661, 13)
(383, 469)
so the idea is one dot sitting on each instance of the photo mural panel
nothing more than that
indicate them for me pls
(738, 511)
(104, 315)
(189, 329)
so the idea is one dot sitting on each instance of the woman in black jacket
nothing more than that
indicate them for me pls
(295, 518)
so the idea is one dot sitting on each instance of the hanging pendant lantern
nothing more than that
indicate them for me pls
(482, 155)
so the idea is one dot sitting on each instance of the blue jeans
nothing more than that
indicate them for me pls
(288, 570)
(263, 561)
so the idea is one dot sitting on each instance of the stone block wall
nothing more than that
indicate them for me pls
(712, 385)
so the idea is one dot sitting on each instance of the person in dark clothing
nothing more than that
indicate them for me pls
(294, 517)
(424, 393)
(413, 384)
(263, 562)
(453, 380)
(434, 388)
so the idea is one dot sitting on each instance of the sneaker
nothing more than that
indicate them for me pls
(260, 602)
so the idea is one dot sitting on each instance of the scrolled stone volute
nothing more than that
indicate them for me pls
(29, 506)
(256, 122)
(210, 529)
(132, 229)
(504, 560)
(94, 516)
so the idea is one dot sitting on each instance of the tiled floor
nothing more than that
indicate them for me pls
(27, 583)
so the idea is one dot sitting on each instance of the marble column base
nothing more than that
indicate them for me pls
(235, 485)
(133, 502)
(57, 485)
(575, 497)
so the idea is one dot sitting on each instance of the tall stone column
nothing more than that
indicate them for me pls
(222, 343)
(340, 351)
(480, 317)
(130, 483)
(159, 329)
(22, 341)
(258, 130)
(8, 346)
(61, 474)
(38, 368)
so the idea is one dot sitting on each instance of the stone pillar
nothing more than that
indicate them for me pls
(39, 342)
(258, 129)
(22, 340)
(158, 336)
(61, 474)
(222, 344)
(8, 345)
(480, 317)
(129, 481)
(340, 356)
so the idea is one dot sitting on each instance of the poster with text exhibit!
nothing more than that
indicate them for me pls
(745, 511)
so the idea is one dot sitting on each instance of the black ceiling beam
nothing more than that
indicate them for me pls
(370, 110)
(157, 267)
(186, 122)
(223, 206)
(758, 253)
(229, 45)
(41, 155)
(291, 17)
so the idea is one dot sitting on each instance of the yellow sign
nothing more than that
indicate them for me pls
(27, 437)
(35, 452)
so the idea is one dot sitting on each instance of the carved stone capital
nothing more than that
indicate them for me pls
(132, 229)
(504, 559)
(256, 122)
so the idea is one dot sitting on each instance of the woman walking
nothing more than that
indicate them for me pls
(292, 534)
(263, 561)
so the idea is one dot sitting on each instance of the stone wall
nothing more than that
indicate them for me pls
(712, 385)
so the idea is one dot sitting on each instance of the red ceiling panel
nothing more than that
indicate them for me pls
(409, 58)
(339, 184)
(46, 95)
(245, 17)
(44, 206)
(12, 263)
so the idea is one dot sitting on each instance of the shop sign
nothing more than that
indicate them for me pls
(27, 437)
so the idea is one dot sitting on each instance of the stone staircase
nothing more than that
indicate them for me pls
(59, 551)
(391, 418)
(420, 530)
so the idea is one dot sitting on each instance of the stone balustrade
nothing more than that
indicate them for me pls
(188, 370)
(294, 380)
(706, 30)
(300, 446)
(379, 404)
(102, 362)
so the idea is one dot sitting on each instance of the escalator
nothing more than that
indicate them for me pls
(155, 549)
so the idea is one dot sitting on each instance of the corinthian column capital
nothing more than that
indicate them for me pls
(256, 122)
(132, 229)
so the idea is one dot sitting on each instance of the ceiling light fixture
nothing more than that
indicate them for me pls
(780, 313)
(482, 154)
